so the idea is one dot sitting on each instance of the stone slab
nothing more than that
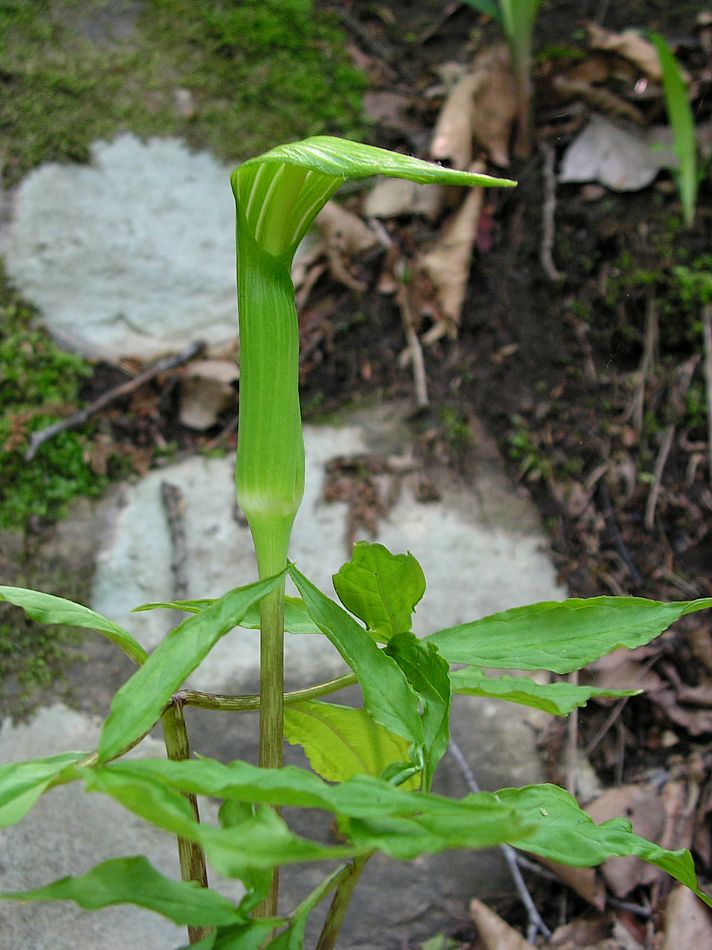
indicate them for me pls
(131, 254)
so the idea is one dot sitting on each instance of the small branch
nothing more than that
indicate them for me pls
(414, 351)
(194, 697)
(609, 516)
(340, 904)
(190, 854)
(660, 463)
(548, 212)
(647, 363)
(174, 505)
(536, 924)
(118, 392)
(707, 338)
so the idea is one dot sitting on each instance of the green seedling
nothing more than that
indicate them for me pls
(373, 775)
(517, 19)
(682, 123)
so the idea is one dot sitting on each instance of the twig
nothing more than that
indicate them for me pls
(174, 505)
(660, 463)
(572, 751)
(118, 392)
(434, 28)
(609, 517)
(414, 351)
(647, 362)
(364, 37)
(707, 338)
(536, 924)
(548, 211)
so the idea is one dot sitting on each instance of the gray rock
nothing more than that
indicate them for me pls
(475, 561)
(133, 254)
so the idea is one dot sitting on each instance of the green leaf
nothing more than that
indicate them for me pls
(388, 697)
(260, 842)
(428, 674)
(293, 937)
(682, 122)
(22, 783)
(566, 834)
(489, 7)
(340, 741)
(372, 812)
(249, 936)
(380, 588)
(46, 608)
(559, 699)
(280, 192)
(560, 636)
(138, 704)
(296, 617)
(135, 881)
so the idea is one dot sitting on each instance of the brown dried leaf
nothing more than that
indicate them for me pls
(688, 923)
(629, 44)
(696, 721)
(447, 262)
(624, 669)
(643, 807)
(392, 197)
(495, 106)
(452, 137)
(346, 236)
(592, 932)
(584, 881)
(205, 391)
(494, 932)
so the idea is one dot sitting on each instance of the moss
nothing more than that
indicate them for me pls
(39, 383)
(258, 72)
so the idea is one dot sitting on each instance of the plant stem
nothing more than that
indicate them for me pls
(340, 904)
(190, 854)
(225, 703)
(272, 705)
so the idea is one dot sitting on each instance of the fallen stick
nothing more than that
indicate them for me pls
(118, 392)
(707, 338)
(536, 924)
(660, 463)
(548, 212)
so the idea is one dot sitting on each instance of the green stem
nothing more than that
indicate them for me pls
(224, 703)
(190, 854)
(340, 904)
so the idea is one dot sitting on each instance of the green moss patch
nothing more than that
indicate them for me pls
(39, 383)
(235, 78)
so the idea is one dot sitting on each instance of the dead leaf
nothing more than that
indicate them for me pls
(629, 44)
(584, 881)
(346, 236)
(494, 932)
(447, 262)
(697, 722)
(205, 391)
(582, 932)
(688, 923)
(392, 197)
(495, 104)
(625, 669)
(482, 105)
(390, 111)
(642, 805)
(452, 136)
(599, 98)
(619, 158)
